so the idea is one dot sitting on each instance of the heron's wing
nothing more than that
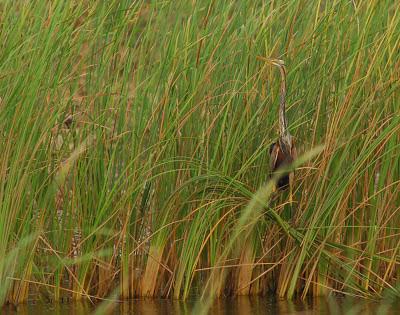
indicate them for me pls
(273, 158)
(294, 151)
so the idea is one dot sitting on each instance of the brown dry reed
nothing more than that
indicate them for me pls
(152, 188)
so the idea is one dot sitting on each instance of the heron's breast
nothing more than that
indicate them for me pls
(282, 158)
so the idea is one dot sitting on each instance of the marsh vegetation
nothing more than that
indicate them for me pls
(134, 140)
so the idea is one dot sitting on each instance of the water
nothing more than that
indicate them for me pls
(237, 306)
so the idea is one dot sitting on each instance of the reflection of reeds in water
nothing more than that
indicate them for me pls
(133, 136)
(237, 306)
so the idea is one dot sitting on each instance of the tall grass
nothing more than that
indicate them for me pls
(133, 134)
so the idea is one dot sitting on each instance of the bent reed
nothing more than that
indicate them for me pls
(135, 134)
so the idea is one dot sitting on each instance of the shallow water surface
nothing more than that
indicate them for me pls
(237, 306)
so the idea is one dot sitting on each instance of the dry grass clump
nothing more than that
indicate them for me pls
(134, 141)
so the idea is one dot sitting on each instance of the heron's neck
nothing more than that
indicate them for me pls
(283, 124)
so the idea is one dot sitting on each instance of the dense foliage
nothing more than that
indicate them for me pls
(134, 134)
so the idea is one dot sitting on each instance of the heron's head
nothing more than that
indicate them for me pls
(272, 61)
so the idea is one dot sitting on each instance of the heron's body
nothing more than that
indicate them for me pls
(280, 159)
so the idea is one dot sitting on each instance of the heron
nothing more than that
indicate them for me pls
(282, 151)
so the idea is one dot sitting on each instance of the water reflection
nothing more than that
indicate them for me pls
(237, 306)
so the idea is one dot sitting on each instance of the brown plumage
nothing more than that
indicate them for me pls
(283, 151)
(279, 159)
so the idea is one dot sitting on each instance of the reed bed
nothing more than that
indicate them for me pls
(134, 141)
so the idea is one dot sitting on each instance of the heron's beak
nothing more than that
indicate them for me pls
(272, 61)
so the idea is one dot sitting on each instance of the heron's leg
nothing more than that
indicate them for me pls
(291, 182)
